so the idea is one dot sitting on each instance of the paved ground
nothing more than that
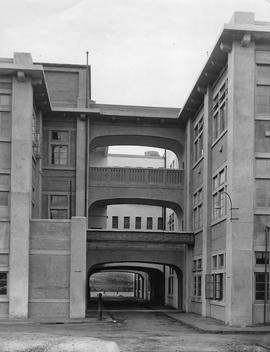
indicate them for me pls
(133, 331)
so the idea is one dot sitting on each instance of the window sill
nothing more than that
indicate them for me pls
(58, 167)
(220, 303)
(217, 221)
(197, 162)
(219, 138)
(5, 140)
(262, 117)
(196, 299)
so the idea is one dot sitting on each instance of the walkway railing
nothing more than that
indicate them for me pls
(149, 176)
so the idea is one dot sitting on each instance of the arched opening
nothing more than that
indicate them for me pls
(135, 214)
(135, 284)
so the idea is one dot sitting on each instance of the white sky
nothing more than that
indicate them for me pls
(142, 52)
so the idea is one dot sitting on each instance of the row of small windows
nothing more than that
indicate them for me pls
(138, 222)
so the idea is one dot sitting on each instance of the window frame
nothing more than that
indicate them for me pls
(52, 207)
(6, 283)
(58, 143)
(220, 109)
(126, 224)
(219, 201)
(138, 222)
(198, 129)
(198, 209)
(115, 222)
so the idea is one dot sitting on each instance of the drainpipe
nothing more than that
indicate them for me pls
(164, 208)
(265, 273)
(87, 96)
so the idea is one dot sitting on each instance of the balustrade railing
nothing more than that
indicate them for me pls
(149, 176)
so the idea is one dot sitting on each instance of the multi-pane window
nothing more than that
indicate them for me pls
(220, 101)
(171, 281)
(5, 107)
(260, 257)
(197, 209)
(3, 283)
(149, 223)
(115, 222)
(198, 139)
(260, 286)
(59, 148)
(262, 193)
(138, 222)
(197, 278)
(126, 222)
(160, 223)
(218, 195)
(59, 206)
(262, 93)
(171, 222)
(215, 282)
(4, 195)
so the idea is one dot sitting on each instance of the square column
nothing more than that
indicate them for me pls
(239, 241)
(20, 195)
(78, 267)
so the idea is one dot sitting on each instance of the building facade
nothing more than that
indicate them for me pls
(55, 188)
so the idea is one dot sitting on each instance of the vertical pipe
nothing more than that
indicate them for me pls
(86, 136)
(70, 199)
(164, 208)
(265, 274)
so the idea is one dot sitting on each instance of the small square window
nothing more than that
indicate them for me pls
(61, 136)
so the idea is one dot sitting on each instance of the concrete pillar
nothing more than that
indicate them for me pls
(187, 273)
(207, 197)
(239, 241)
(78, 267)
(80, 167)
(20, 195)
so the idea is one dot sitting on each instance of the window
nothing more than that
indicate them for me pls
(171, 222)
(160, 223)
(59, 206)
(126, 222)
(221, 261)
(149, 223)
(197, 278)
(171, 281)
(4, 198)
(220, 100)
(260, 257)
(198, 139)
(262, 193)
(3, 283)
(115, 222)
(214, 262)
(259, 286)
(214, 286)
(138, 223)
(5, 123)
(218, 196)
(5, 101)
(198, 209)
(59, 146)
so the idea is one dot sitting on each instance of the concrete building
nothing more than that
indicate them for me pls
(54, 190)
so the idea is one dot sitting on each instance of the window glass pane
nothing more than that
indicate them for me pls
(160, 223)
(3, 283)
(5, 101)
(149, 223)
(259, 286)
(58, 214)
(5, 119)
(60, 136)
(126, 222)
(138, 223)
(4, 198)
(59, 155)
(59, 201)
(115, 222)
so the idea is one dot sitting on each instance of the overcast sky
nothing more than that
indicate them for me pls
(142, 52)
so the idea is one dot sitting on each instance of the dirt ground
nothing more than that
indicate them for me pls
(132, 331)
